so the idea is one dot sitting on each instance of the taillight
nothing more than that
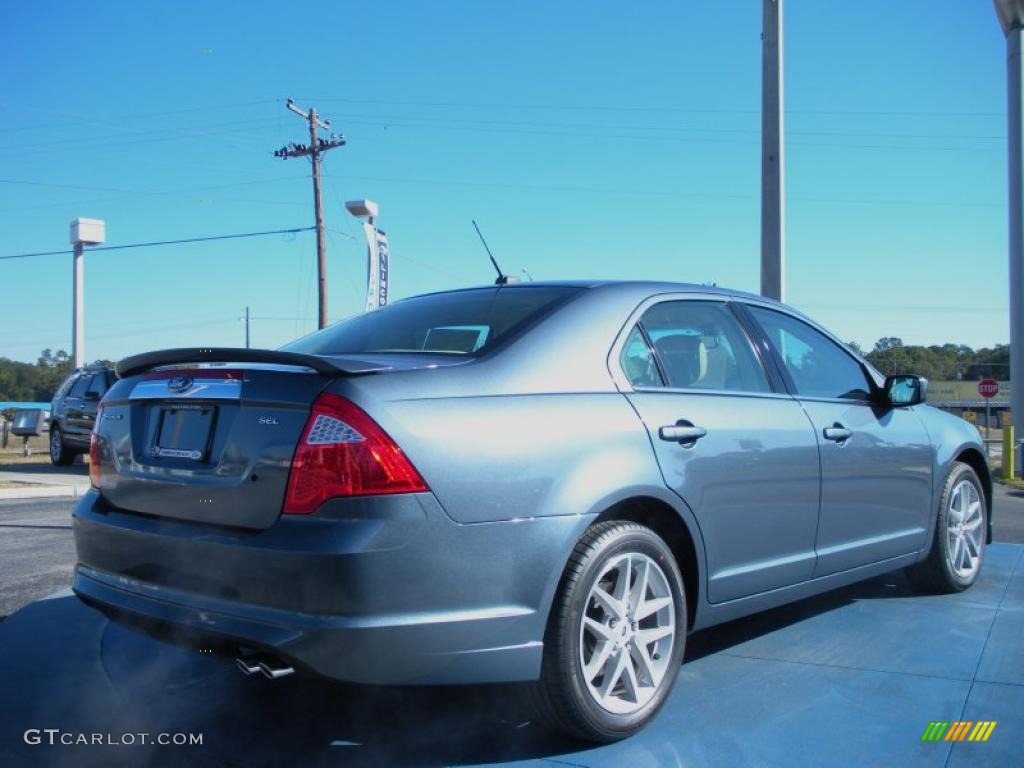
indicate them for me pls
(343, 452)
(94, 451)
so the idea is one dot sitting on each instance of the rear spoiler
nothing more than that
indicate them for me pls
(146, 361)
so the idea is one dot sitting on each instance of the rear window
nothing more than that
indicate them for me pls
(459, 323)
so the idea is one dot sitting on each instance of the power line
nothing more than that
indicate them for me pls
(164, 242)
(123, 118)
(670, 139)
(387, 119)
(666, 194)
(660, 108)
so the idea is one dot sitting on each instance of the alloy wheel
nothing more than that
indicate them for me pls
(964, 529)
(626, 633)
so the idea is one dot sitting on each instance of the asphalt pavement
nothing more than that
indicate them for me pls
(37, 552)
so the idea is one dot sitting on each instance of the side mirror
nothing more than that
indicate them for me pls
(905, 390)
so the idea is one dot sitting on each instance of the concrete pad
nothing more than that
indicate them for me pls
(850, 678)
(1005, 705)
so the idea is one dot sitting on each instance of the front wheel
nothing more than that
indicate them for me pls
(616, 634)
(60, 454)
(961, 527)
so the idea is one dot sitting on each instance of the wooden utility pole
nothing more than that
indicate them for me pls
(313, 151)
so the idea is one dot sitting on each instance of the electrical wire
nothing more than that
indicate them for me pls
(164, 242)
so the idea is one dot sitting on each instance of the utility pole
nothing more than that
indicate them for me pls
(313, 150)
(247, 327)
(773, 211)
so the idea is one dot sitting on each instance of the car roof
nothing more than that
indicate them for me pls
(626, 288)
(653, 286)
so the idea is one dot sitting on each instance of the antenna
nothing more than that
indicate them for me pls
(502, 277)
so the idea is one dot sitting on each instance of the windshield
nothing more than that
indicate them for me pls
(459, 323)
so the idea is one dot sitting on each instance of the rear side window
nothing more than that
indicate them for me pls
(460, 323)
(98, 384)
(64, 387)
(78, 389)
(696, 345)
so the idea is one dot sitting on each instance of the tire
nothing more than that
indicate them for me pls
(957, 553)
(564, 698)
(60, 454)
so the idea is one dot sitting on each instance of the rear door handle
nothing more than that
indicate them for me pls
(837, 433)
(681, 433)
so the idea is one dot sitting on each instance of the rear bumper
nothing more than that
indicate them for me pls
(383, 590)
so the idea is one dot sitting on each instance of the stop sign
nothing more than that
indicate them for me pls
(988, 387)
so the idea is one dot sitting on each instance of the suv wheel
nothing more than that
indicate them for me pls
(958, 547)
(616, 634)
(59, 453)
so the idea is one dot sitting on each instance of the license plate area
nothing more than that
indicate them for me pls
(184, 432)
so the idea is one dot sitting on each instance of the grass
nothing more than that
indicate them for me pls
(39, 446)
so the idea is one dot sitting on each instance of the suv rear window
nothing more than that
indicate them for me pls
(460, 322)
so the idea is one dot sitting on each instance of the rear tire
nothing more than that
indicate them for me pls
(60, 454)
(961, 526)
(616, 634)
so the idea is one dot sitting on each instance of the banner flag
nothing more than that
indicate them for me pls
(376, 267)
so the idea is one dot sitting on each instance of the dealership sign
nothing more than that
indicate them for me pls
(376, 267)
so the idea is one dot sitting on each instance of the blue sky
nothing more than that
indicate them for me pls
(589, 139)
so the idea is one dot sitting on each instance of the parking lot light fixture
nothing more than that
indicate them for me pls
(83, 232)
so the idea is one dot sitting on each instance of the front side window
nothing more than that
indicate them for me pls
(699, 345)
(818, 366)
(468, 322)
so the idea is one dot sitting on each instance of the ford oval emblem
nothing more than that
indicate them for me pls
(179, 383)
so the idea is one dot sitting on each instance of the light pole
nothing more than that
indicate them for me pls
(83, 232)
(1011, 17)
(773, 171)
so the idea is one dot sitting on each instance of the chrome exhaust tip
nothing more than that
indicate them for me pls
(273, 670)
(248, 666)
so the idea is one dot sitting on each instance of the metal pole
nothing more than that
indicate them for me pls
(1015, 82)
(321, 243)
(773, 218)
(78, 311)
(988, 422)
(246, 327)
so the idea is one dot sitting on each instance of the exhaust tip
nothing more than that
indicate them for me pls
(247, 666)
(275, 671)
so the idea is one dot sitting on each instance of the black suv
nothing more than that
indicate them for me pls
(73, 412)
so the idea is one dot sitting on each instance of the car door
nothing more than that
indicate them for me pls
(739, 452)
(74, 403)
(876, 461)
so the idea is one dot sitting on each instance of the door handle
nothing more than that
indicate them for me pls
(684, 432)
(837, 432)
